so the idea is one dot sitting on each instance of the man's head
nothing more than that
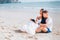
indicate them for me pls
(45, 14)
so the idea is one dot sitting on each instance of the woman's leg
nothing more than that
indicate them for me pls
(39, 29)
(42, 28)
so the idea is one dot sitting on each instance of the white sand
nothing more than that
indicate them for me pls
(11, 19)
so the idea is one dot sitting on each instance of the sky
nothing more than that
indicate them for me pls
(37, 0)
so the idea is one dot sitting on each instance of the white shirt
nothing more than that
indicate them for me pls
(49, 23)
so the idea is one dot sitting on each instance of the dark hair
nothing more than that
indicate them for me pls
(42, 9)
(45, 11)
(33, 20)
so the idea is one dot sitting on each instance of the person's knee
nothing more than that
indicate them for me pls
(44, 30)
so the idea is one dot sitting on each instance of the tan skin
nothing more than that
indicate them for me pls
(42, 26)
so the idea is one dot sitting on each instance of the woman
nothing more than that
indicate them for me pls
(45, 23)
(39, 17)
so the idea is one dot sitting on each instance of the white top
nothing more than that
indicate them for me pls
(49, 23)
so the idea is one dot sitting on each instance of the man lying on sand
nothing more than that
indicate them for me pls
(43, 23)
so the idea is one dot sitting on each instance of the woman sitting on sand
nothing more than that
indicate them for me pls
(43, 23)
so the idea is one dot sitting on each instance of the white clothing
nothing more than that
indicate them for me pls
(31, 26)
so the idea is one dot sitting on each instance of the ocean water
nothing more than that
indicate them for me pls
(50, 5)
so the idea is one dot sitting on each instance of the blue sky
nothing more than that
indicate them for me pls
(37, 0)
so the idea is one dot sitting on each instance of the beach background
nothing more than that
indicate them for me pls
(14, 15)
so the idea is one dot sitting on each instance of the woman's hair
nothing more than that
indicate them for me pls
(42, 9)
(45, 11)
(33, 20)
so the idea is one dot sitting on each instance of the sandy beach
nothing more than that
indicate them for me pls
(12, 19)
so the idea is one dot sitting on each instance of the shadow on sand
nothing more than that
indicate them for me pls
(19, 31)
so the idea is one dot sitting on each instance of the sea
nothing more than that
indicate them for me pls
(47, 5)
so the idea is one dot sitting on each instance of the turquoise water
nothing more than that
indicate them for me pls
(51, 5)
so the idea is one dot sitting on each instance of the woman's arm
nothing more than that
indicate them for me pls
(37, 18)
